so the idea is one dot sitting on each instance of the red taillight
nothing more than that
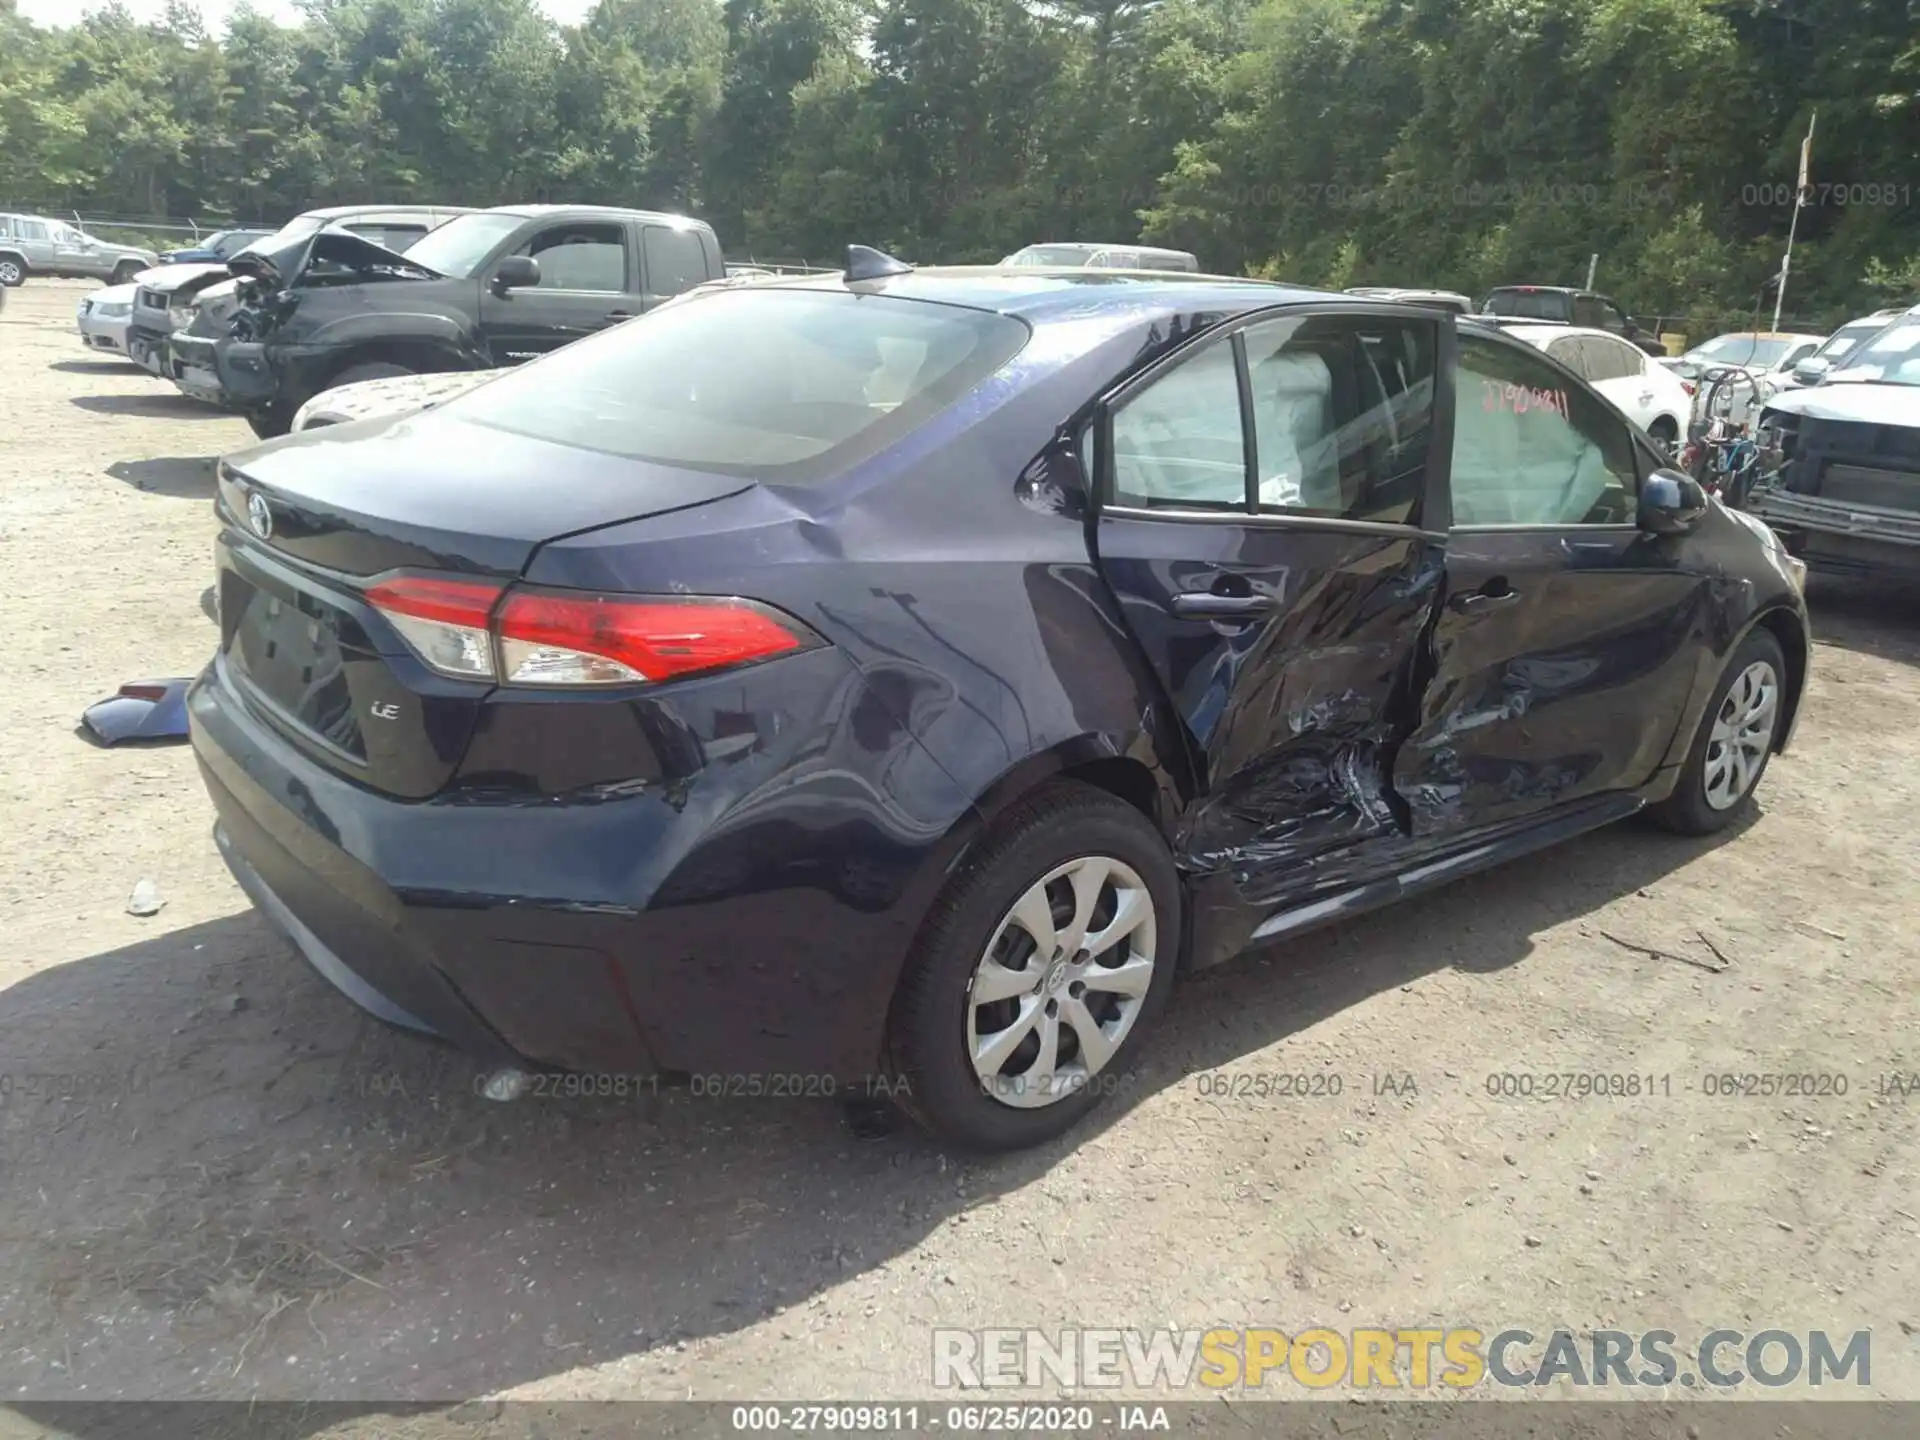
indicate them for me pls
(1690, 386)
(548, 638)
(143, 691)
(563, 638)
(445, 621)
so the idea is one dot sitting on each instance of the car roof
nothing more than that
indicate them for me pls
(1547, 330)
(344, 212)
(541, 212)
(1041, 292)
(1763, 335)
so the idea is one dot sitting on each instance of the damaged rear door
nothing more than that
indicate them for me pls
(1568, 641)
(1260, 523)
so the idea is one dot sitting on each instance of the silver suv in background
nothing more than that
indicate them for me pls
(41, 245)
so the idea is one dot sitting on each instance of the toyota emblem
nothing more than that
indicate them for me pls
(260, 515)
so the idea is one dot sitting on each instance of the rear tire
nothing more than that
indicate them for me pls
(1735, 741)
(1022, 918)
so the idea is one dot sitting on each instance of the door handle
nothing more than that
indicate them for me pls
(1206, 605)
(619, 314)
(1478, 602)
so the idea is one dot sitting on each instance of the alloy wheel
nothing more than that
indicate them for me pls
(1742, 735)
(1062, 982)
(9, 273)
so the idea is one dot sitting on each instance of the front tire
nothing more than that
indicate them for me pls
(125, 271)
(1047, 956)
(1735, 741)
(1666, 434)
(372, 370)
(272, 422)
(13, 273)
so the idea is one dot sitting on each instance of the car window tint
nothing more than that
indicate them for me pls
(788, 386)
(581, 257)
(1179, 441)
(32, 230)
(1589, 311)
(1613, 318)
(674, 259)
(1342, 415)
(1531, 447)
(392, 237)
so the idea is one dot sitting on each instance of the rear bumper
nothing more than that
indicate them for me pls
(727, 923)
(1842, 540)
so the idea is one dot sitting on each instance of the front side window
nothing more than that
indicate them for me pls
(581, 257)
(1179, 442)
(1342, 415)
(675, 260)
(787, 386)
(1531, 447)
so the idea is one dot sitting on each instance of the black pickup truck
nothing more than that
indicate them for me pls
(486, 289)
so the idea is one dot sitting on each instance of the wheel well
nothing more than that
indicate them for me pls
(1672, 425)
(420, 356)
(1122, 777)
(18, 258)
(1785, 627)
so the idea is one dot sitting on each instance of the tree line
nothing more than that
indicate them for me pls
(1452, 143)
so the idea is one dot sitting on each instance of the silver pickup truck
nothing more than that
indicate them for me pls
(41, 245)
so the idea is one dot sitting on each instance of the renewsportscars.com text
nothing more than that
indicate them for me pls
(1411, 1358)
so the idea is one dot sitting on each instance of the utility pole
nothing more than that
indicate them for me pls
(1593, 269)
(1793, 226)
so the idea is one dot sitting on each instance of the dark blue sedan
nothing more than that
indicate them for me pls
(221, 246)
(903, 674)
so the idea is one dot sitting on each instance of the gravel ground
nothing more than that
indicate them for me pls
(221, 1180)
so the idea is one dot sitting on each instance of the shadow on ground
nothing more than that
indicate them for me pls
(95, 367)
(189, 477)
(1867, 616)
(223, 1164)
(150, 407)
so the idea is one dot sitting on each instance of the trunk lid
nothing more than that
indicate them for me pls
(308, 521)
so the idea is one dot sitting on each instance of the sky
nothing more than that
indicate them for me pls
(65, 12)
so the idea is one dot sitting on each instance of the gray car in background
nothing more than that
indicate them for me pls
(41, 245)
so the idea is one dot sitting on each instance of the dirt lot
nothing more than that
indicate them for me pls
(219, 1179)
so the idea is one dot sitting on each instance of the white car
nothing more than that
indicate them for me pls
(103, 318)
(393, 395)
(1641, 388)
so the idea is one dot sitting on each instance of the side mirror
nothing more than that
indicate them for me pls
(1812, 370)
(516, 272)
(1670, 503)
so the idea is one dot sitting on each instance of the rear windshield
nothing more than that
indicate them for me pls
(1741, 350)
(1051, 255)
(1529, 304)
(789, 386)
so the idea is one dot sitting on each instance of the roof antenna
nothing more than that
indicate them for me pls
(866, 263)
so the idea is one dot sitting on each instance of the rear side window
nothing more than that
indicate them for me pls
(787, 386)
(1342, 415)
(675, 261)
(1179, 443)
(1612, 359)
